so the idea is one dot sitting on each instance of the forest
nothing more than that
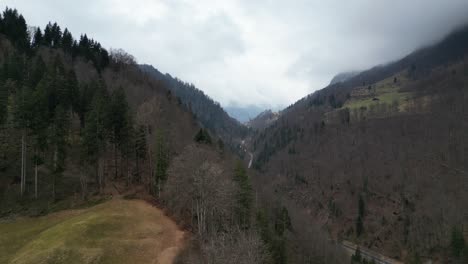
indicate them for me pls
(380, 159)
(376, 160)
(81, 125)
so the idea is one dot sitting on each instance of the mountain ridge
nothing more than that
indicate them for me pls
(209, 112)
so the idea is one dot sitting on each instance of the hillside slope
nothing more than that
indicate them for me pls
(380, 159)
(263, 120)
(116, 231)
(208, 112)
(76, 121)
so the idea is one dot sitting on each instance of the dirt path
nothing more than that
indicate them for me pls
(171, 239)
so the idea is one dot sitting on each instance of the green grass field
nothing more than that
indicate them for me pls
(117, 231)
(387, 98)
(386, 91)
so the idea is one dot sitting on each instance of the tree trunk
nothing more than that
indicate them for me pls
(55, 158)
(35, 175)
(84, 187)
(128, 171)
(137, 168)
(55, 170)
(99, 173)
(115, 162)
(22, 164)
(150, 182)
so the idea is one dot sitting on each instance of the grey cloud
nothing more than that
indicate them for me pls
(264, 52)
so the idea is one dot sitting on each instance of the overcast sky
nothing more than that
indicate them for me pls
(260, 52)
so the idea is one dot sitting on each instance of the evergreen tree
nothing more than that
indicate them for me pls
(38, 38)
(282, 221)
(3, 103)
(56, 33)
(36, 71)
(117, 122)
(59, 135)
(244, 195)
(67, 41)
(14, 67)
(457, 242)
(162, 162)
(72, 91)
(140, 148)
(95, 134)
(360, 218)
(48, 35)
(39, 126)
(83, 101)
(15, 28)
(203, 136)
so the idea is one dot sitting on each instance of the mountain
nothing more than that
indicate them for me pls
(379, 159)
(342, 77)
(85, 131)
(263, 120)
(243, 114)
(209, 113)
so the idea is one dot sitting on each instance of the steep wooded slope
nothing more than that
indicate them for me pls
(78, 125)
(380, 159)
(208, 112)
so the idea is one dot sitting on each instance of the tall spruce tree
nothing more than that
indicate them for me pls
(244, 196)
(95, 133)
(117, 123)
(38, 38)
(59, 135)
(162, 163)
(140, 149)
(67, 41)
(48, 35)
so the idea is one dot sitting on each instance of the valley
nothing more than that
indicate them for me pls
(104, 159)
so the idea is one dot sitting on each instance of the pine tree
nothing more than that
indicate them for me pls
(117, 123)
(282, 221)
(59, 135)
(128, 145)
(38, 126)
(15, 28)
(244, 195)
(203, 136)
(38, 38)
(67, 41)
(95, 133)
(72, 91)
(36, 71)
(140, 149)
(162, 163)
(360, 218)
(56, 36)
(48, 37)
(3, 103)
(457, 242)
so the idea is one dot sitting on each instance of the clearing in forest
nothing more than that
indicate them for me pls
(117, 231)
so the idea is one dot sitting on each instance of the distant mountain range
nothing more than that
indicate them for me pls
(244, 113)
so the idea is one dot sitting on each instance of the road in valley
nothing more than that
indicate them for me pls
(368, 254)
